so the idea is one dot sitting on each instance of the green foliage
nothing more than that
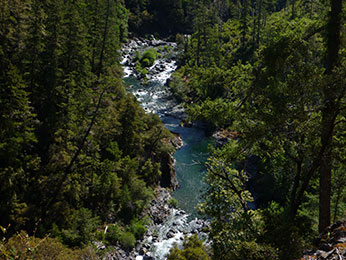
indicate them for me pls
(339, 194)
(252, 250)
(145, 60)
(236, 230)
(126, 236)
(75, 149)
(134, 198)
(127, 240)
(173, 203)
(80, 228)
(221, 91)
(151, 171)
(214, 111)
(290, 237)
(137, 228)
(141, 70)
(226, 203)
(178, 87)
(23, 246)
(113, 233)
(159, 17)
(267, 82)
(193, 249)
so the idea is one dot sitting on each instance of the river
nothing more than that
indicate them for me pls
(155, 97)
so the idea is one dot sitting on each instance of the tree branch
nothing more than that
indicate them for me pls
(232, 186)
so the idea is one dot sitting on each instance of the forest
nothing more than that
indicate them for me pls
(77, 152)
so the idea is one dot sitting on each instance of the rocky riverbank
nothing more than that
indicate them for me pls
(331, 244)
(162, 67)
(153, 98)
(169, 226)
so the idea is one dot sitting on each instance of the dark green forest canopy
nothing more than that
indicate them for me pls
(272, 74)
(77, 151)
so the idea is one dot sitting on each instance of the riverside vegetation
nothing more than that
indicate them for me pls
(77, 153)
(272, 74)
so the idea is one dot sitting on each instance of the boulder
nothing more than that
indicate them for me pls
(170, 234)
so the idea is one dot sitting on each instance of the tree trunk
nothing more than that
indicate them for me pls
(336, 207)
(198, 49)
(328, 113)
(259, 18)
(325, 189)
(94, 38)
(104, 38)
(244, 25)
(293, 14)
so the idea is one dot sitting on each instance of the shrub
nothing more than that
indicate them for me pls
(146, 62)
(22, 246)
(178, 87)
(173, 203)
(137, 228)
(290, 237)
(148, 57)
(113, 233)
(136, 56)
(193, 250)
(127, 240)
(252, 251)
(141, 70)
(180, 40)
(80, 228)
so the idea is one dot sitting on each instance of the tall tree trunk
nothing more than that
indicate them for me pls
(336, 207)
(94, 37)
(328, 113)
(259, 18)
(325, 187)
(254, 16)
(104, 38)
(293, 14)
(198, 49)
(244, 13)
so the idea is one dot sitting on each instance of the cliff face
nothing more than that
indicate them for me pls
(168, 177)
(331, 244)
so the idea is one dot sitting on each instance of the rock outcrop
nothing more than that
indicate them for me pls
(169, 176)
(222, 136)
(331, 244)
(177, 141)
